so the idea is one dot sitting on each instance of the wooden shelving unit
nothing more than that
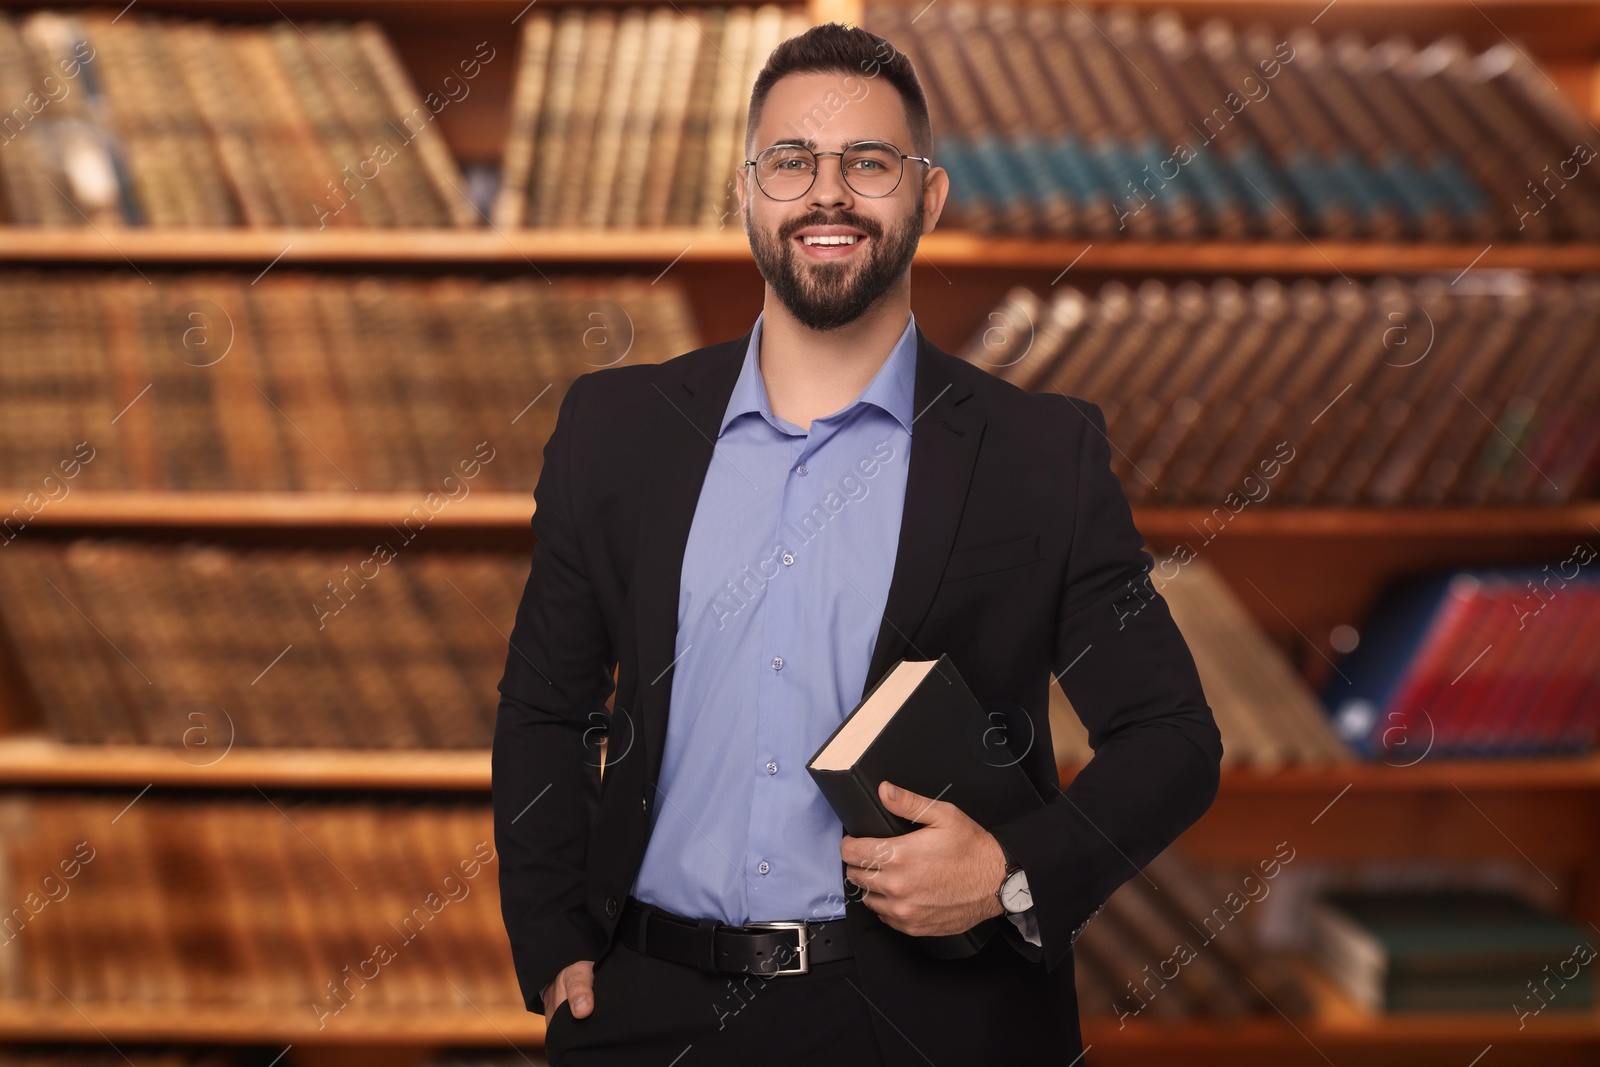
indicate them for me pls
(1320, 566)
(944, 249)
(511, 511)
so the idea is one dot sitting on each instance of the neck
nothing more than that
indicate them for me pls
(811, 373)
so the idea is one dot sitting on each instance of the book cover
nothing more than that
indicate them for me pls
(921, 728)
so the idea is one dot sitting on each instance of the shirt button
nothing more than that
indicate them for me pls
(772, 767)
(801, 470)
(788, 559)
(764, 867)
(777, 663)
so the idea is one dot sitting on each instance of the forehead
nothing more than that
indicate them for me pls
(826, 111)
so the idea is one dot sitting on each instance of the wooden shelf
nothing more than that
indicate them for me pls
(1532, 774)
(945, 250)
(1444, 523)
(275, 510)
(1336, 1023)
(202, 1022)
(35, 759)
(499, 510)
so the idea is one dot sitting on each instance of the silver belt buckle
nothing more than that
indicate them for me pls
(805, 959)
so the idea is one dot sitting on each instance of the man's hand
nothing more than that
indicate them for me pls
(939, 879)
(575, 982)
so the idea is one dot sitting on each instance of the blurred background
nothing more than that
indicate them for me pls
(290, 293)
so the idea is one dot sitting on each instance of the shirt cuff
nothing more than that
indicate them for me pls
(1027, 922)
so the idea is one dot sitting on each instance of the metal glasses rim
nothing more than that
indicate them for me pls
(924, 160)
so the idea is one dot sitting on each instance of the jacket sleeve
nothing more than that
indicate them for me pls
(545, 776)
(1122, 662)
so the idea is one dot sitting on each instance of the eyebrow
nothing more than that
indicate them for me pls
(808, 143)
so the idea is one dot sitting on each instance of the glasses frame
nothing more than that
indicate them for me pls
(816, 170)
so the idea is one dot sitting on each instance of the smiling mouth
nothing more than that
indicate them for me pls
(842, 241)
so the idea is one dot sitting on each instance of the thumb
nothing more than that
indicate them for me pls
(903, 801)
(580, 990)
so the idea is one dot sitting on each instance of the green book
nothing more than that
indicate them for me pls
(1452, 950)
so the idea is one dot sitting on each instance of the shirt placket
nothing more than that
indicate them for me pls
(776, 702)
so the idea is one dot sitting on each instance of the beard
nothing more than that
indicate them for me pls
(829, 294)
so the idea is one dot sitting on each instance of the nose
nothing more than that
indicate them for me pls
(829, 188)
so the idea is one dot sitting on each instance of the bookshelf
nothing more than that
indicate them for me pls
(1323, 565)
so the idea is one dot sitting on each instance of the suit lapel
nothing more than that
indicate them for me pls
(944, 448)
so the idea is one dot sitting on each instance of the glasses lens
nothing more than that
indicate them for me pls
(785, 171)
(872, 168)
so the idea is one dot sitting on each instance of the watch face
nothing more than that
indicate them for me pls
(1014, 894)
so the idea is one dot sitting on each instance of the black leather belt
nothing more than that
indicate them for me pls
(764, 948)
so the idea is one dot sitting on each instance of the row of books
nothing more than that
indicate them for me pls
(1452, 951)
(634, 117)
(304, 381)
(1051, 119)
(201, 648)
(1267, 714)
(325, 909)
(1427, 391)
(1055, 119)
(1476, 661)
(131, 119)
(1174, 942)
(203, 645)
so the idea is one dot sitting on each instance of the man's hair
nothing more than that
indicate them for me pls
(833, 48)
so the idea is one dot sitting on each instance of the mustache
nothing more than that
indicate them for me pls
(866, 226)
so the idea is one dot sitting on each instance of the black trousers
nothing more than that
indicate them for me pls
(654, 1011)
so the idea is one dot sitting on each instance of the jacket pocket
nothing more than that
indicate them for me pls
(986, 559)
(556, 1024)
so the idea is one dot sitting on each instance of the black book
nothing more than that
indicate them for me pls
(921, 728)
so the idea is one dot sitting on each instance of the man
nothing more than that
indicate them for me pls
(754, 533)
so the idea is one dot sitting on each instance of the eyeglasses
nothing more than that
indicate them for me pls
(869, 168)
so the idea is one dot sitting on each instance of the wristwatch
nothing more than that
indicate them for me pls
(1013, 894)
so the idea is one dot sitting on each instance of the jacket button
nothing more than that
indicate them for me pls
(611, 907)
(644, 803)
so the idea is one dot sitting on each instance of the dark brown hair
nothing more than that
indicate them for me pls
(834, 48)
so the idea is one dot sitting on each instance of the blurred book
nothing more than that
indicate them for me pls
(1065, 120)
(1475, 662)
(1449, 951)
(634, 117)
(338, 910)
(304, 381)
(1268, 716)
(200, 648)
(139, 119)
(1177, 941)
(1393, 392)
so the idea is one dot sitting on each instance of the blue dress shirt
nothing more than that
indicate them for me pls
(784, 582)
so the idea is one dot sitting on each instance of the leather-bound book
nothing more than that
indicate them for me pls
(921, 728)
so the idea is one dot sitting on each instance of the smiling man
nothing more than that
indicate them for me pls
(753, 533)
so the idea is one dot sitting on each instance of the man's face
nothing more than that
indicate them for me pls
(826, 287)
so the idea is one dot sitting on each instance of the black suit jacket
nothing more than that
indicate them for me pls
(1018, 556)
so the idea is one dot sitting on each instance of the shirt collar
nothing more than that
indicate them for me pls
(891, 389)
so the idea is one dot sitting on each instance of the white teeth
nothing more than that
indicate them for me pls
(842, 240)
